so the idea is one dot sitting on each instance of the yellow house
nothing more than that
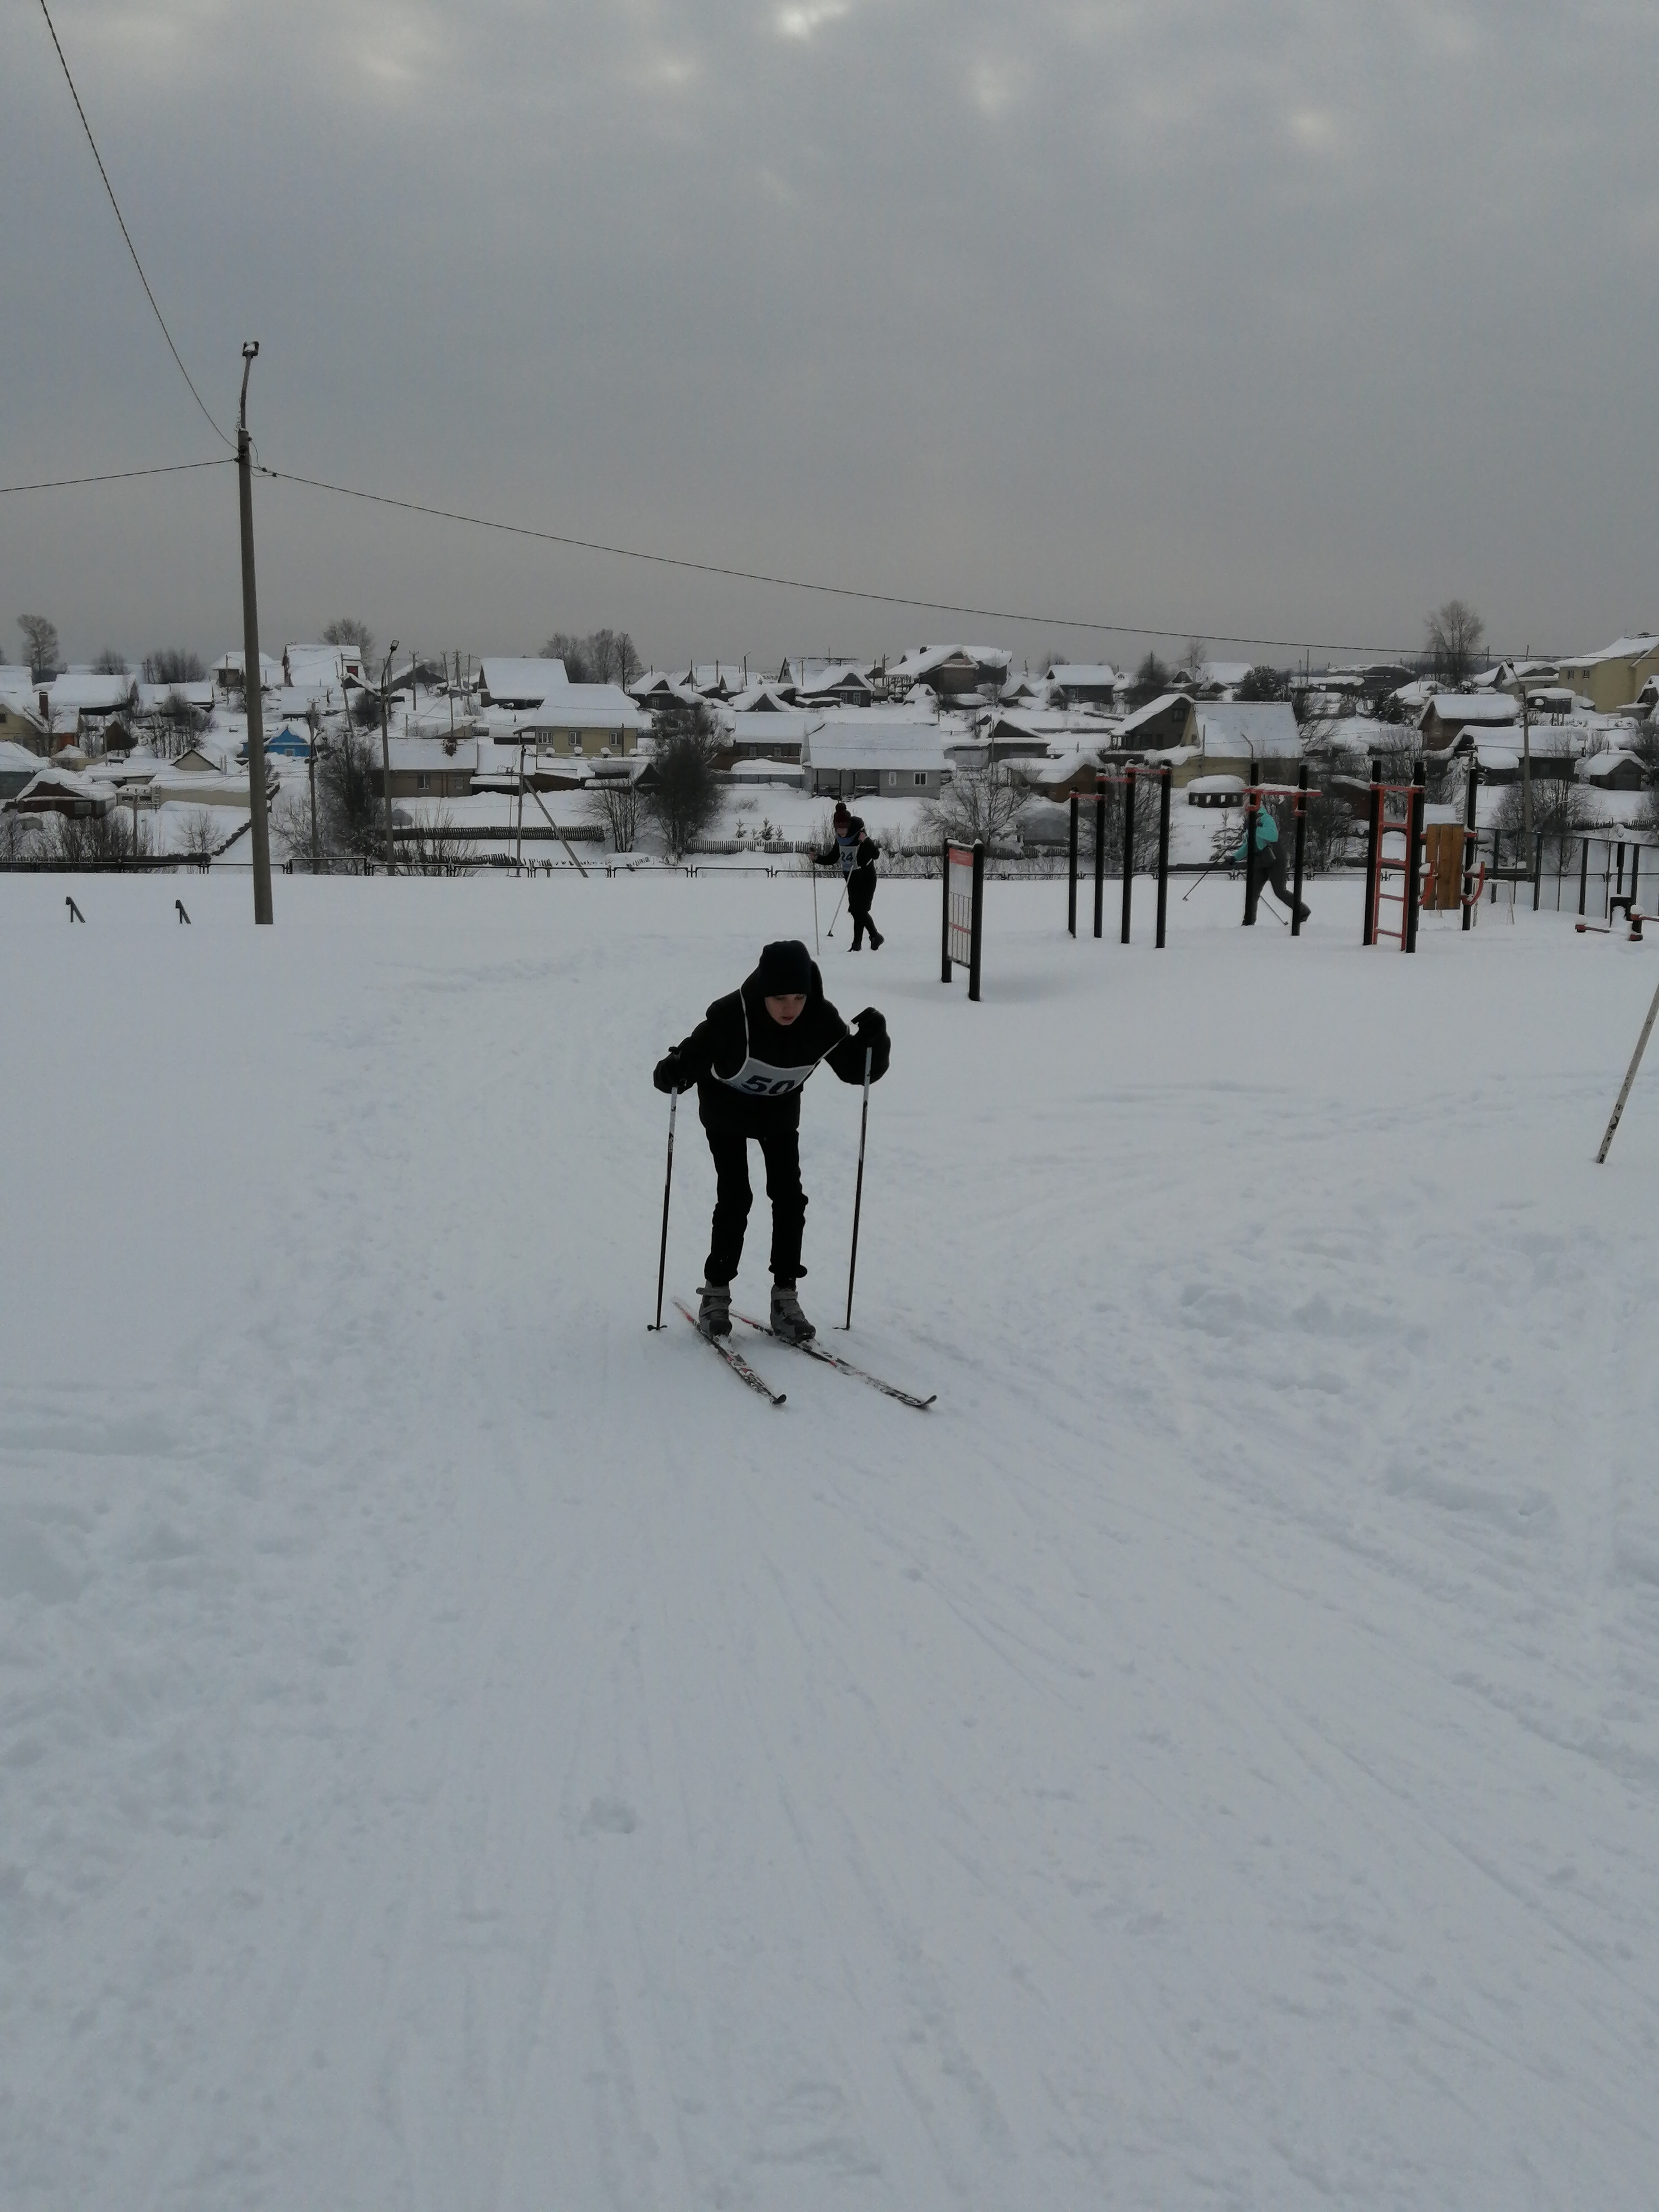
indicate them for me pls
(21, 725)
(1613, 677)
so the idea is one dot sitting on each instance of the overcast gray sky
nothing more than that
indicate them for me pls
(1278, 319)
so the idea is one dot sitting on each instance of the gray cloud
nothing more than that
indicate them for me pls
(1275, 319)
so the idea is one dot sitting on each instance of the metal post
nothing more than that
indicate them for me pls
(1414, 806)
(1164, 777)
(1100, 851)
(1071, 891)
(1537, 868)
(1252, 810)
(1624, 1090)
(1583, 874)
(945, 934)
(260, 827)
(1301, 849)
(1471, 797)
(1373, 852)
(858, 1192)
(667, 1185)
(979, 918)
(1128, 850)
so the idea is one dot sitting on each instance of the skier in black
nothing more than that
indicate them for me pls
(855, 849)
(748, 1058)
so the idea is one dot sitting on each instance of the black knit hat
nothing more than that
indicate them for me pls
(785, 968)
(841, 814)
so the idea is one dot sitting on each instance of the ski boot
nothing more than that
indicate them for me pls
(714, 1309)
(788, 1321)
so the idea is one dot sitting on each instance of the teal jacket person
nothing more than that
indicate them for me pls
(1266, 833)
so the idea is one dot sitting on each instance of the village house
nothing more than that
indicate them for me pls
(1448, 714)
(426, 767)
(1170, 720)
(1084, 682)
(585, 719)
(846, 754)
(1611, 678)
(520, 685)
(230, 678)
(841, 683)
(949, 672)
(321, 667)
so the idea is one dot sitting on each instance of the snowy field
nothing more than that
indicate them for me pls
(459, 1750)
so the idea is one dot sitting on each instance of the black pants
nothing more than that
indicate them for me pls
(781, 1149)
(1270, 876)
(860, 898)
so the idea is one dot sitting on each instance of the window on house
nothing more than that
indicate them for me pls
(424, 783)
(921, 779)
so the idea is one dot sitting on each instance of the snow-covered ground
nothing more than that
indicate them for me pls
(459, 1749)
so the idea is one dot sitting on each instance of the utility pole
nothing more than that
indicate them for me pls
(260, 827)
(386, 762)
(314, 725)
(1526, 768)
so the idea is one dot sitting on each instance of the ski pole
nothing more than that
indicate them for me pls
(858, 1192)
(1635, 1062)
(1198, 879)
(837, 917)
(667, 1185)
(815, 909)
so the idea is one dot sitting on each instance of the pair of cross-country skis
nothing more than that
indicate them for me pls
(813, 1350)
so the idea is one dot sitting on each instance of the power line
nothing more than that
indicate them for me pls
(126, 233)
(806, 584)
(119, 476)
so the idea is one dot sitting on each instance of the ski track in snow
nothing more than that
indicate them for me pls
(457, 1748)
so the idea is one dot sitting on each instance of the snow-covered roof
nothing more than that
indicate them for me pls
(758, 768)
(1622, 649)
(1490, 709)
(832, 679)
(760, 699)
(1150, 713)
(521, 682)
(851, 745)
(231, 664)
(584, 707)
(432, 756)
(1084, 675)
(1258, 729)
(1600, 767)
(318, 667)
(922, 659)
(152, 696)
(1224, 674)
(86, 691)
(13, 758)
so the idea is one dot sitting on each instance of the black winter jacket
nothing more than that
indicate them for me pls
(738, 1032)
(855, 854)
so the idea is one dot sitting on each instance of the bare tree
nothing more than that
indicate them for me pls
(687, 796)
(348, 630)
(173, 664)
(604, 656)
(1151, 680)
(614, 801)
(110, 662)
(978, 805)
(199, 836)
(1454, 635)
(40, 636)
(1560, 813)
(349, 784)
(430, 847)
(20, 837)
(1193, 659)
(175, 724)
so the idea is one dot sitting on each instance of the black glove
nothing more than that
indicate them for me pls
(668, 1074)
(869, 1026)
